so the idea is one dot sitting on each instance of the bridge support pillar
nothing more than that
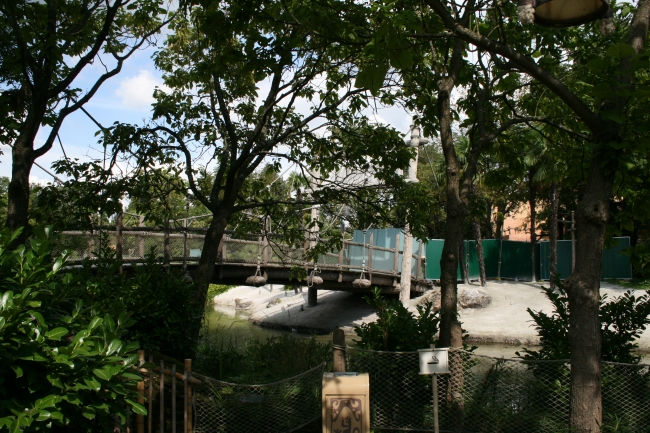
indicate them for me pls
(312, 296)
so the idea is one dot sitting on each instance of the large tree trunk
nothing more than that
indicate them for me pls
(479, 250)
(553, 233)
(22, 160)
(532, 199)
(455, 214)
(583, 292)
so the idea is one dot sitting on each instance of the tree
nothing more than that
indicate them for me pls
(45, 47)
(604, 108)
(238, 73)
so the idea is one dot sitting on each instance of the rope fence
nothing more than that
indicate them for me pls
(284, 406)
(484, 394)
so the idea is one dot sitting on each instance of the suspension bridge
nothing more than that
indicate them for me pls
(356, 266)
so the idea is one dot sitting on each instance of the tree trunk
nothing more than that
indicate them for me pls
(464, 266)
(455, 215)
(498, 229)
(479, 251)
(553, 234)
(532, 198)
(583, 292)
(18, 192)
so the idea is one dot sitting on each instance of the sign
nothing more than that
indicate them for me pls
(434, 361)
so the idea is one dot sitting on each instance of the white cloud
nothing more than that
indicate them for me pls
(136, 93)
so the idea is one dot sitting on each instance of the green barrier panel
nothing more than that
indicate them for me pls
(563, 259)
(433, 255)
(616, 264)
(516, 260)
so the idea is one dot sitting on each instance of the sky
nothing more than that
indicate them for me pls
(126, 97)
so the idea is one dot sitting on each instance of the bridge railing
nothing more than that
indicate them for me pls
(132, 244)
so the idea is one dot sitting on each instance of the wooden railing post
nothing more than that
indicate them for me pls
(370, 252)
(118, 238)
(140, 388)
(188, 396)
(168, 251)
(418, 271)
(338, 350)
(341, 253)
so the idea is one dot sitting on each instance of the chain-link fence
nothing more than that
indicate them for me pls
(483, 394)
(283, 406)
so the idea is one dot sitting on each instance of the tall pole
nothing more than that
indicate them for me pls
(412, 176)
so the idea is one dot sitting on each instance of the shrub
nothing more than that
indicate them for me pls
(62, 366)
(622, 321)
(396, 328)
(161, 300)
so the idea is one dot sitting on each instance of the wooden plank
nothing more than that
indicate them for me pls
(161, 396)
(173, 379)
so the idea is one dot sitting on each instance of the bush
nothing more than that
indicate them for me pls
(161, 300)
(396, 328)
(63, 367)
(622, 321)
(271, 360)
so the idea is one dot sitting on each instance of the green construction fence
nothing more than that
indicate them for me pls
(512, 259)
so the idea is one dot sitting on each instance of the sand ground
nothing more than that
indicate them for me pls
(504, 321)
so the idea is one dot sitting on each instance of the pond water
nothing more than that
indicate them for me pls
(233, 326)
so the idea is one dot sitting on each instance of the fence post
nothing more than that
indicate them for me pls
(338, 350)
(150, 398)
(173, 379)
(188, 396)
(161, 395)
(118, 239)
(140, 388)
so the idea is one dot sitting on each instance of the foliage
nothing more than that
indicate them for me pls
(216, 290)
(63, 367)
(271, 360)
(622, 321)
(396, 328)
(161, 301)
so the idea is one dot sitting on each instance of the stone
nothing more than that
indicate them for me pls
(433, 296)
(273, 302)
(473, 298)
(239, 305)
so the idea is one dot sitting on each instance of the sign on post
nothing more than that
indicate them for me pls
(434, 362)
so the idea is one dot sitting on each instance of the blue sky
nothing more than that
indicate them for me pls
(126, 97)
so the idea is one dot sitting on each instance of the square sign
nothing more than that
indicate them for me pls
(434, 361)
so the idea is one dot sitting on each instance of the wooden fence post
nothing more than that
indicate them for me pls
(161, 395)
(150, 397)
(338, 350)
(418, 271)
(140, 388)
(173, 378)
(188, 394)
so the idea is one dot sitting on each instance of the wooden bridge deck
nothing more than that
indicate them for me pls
(238, 258)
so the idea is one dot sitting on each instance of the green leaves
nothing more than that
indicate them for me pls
(84, 378)
(620, 51)
(372, 77)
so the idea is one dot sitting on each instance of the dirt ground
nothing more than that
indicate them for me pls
(504, 321)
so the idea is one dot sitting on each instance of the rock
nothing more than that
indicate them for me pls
(239, 305)
(473, 298)
(273, 302)
(433, 296)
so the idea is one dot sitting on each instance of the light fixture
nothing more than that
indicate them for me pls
(562, 13)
